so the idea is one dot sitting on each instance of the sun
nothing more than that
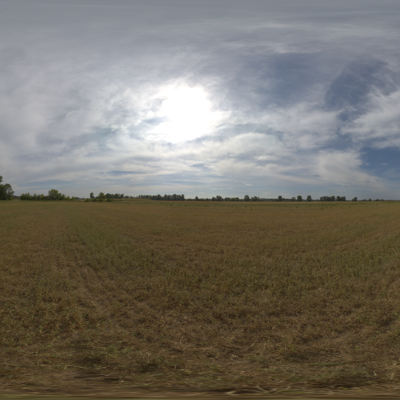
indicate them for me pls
(186, 114)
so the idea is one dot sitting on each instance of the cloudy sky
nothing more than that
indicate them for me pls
(201, 97)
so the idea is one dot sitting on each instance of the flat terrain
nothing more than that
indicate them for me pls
(285, 298)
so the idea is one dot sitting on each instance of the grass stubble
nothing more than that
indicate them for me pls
(229, 297)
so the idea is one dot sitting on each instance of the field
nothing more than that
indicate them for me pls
(294, 296)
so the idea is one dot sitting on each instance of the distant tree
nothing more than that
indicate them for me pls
(246, 197)
(354, 199)
(293, 199)
(299, 198)
(166, 197)
(101, 196)
(280, 198)
(55, 195)
(309, 198)
(218, 198)
(196, 198)
(6, 192)
(92, 195)
(25, 196)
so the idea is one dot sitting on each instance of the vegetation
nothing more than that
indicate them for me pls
(181, 197)
(191, 294)
(6, 192)
(167, 197)
(103, 196)
(53, 195)
(333, 198)
(246, 198)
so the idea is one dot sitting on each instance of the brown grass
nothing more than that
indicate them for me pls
(199, 294)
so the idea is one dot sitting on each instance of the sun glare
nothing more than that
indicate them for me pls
(187, 113)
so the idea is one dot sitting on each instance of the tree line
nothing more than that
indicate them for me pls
(166, 197)
(53, 195)
(7, 193)
(323, 198)
(246, 198)
(309, 198)
(103, 196)
(181, 197)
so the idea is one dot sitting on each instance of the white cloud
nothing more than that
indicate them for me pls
(344, 168)
(381, 125)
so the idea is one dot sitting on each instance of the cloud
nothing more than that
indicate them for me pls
(380, 127)
(351, 92)
(291, 97)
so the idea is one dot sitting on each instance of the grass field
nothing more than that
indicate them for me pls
(187, 294)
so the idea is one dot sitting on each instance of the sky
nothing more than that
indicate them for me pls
(201, 97)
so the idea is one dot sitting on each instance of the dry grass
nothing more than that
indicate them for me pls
(215, 294)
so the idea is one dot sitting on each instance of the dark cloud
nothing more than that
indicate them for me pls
(350, 91)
